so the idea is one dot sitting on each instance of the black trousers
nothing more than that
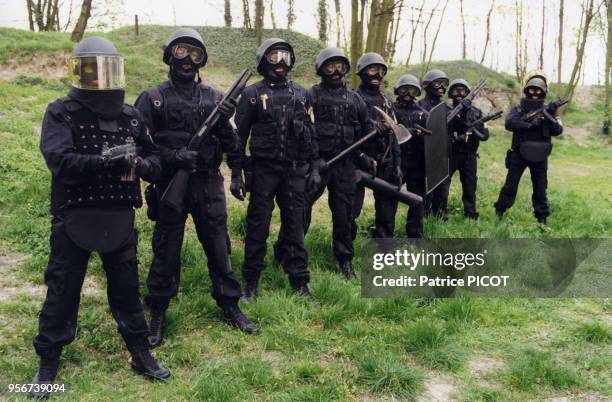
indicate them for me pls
(385, 208)
(340, 182)
(206, 204)
(284, 182)
(516, 165)
(466, 164)
(415, 183)
(64, 279)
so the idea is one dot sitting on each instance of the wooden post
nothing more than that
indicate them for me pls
(136, 24)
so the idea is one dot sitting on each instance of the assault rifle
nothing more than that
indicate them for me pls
(466, 102)
(175, 192)
(473, 130)
(125, 151)
(548, 111)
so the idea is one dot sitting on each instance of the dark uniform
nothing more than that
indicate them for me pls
(174, 111)
(341, 116)
(93, 197)
(464, 150)
(273, 114)
(410, 114)
(531, 145)
(383, 149)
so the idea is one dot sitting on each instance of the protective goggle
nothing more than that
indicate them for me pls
(408, 90)
(275, 56)
(459, 91)
(182, 50)
(97, 72)
(439, 83)
(335, 66)
(376, 69)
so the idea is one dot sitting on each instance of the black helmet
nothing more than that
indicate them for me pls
(459, 81)
(368, 59)
(433, 75)
(184, 33)
(96, 64)
(330, 53)
(269, 44)
(537, 83)
(407, 79)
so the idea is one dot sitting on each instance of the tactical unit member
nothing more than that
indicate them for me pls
(340, 119)
(381, 155)
(89, 140)
(531, 146)
(408, 113)
(174, 111)
(465, 138)
(435, 83)
(273, 112)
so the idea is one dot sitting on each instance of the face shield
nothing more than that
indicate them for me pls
(97, 72)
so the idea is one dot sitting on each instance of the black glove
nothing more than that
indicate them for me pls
(185, 159)
(314, 178)
(227, 109)
(537, 121)
(552, 107)
(118, 165)
(368, 164)
(144, 167)
(467, 104)
(237, 187)
(399, 177)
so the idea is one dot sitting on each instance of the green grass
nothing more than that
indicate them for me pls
(341, 348)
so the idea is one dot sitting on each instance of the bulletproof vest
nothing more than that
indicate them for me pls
(459, 126)
(377, 146)
(173, 112)
(408, 115)
(535, 134)
(90, 135)
(279, 131)
(336, 119)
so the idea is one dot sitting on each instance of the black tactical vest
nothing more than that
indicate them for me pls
(172, 112)
(410, 114)
(377, 146)
(336, 119)
(459, 127)
(280, 130)
(104, 189)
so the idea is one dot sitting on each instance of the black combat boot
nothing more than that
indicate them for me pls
(233, 316)
(250, 292)
(143, 363)
(303, 291)
(499, 213)
(472, 215)
(156, 327)
(541, 220)
(45, 375)
(346, 267)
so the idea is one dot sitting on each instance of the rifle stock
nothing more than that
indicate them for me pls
(174, 195)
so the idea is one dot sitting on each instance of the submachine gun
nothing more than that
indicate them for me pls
(472, 127)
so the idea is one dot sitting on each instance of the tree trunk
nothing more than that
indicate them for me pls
(488, 35)
(415, 26)
(560, 41)
(369, 47)
(322, 23)
(30, 18)
(246, 15)
(435, 39)
(227, 15)
(394, 31)
(519, 65)
(272, 15)
(464, 53)
(338, 21)
(608, 70)
(259, 20)
(290, 13)
(357, 15)
(425, 29)
(79, 28)
(541, 60)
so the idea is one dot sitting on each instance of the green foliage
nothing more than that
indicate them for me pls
(383, 373)
(530, 368)
(595, 332)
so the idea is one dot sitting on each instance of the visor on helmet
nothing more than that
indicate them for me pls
(96, 72)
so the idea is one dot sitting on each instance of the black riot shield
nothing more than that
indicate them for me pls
(436, 148)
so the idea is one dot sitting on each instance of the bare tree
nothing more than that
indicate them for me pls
(322, 23)
(425, 29)
(464, 52)
(290, 13)
(259, 20)
(541, 60)
(227, 14)
(520, 56)
(246, 15)
(588, 13)
(435, 39)
(338, 21)
(560, 43)
(394, 29)
(30, 17)
(608, 71)
(81, 25)
(272, 15)
(488, 34)
(381, 15)
(415, 26)
(43, 13)
(357, 20)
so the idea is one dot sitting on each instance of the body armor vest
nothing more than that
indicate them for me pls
(410, 114)
(103, 189)
(336, 119)
(280, 130)
(174, 113)
(377, 146)
(459, 126)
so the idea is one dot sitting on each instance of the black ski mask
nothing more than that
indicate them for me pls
(335, 78)
(185, 70)
(107, 104)
(371, 82)
(433, 92)
(529, 105)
